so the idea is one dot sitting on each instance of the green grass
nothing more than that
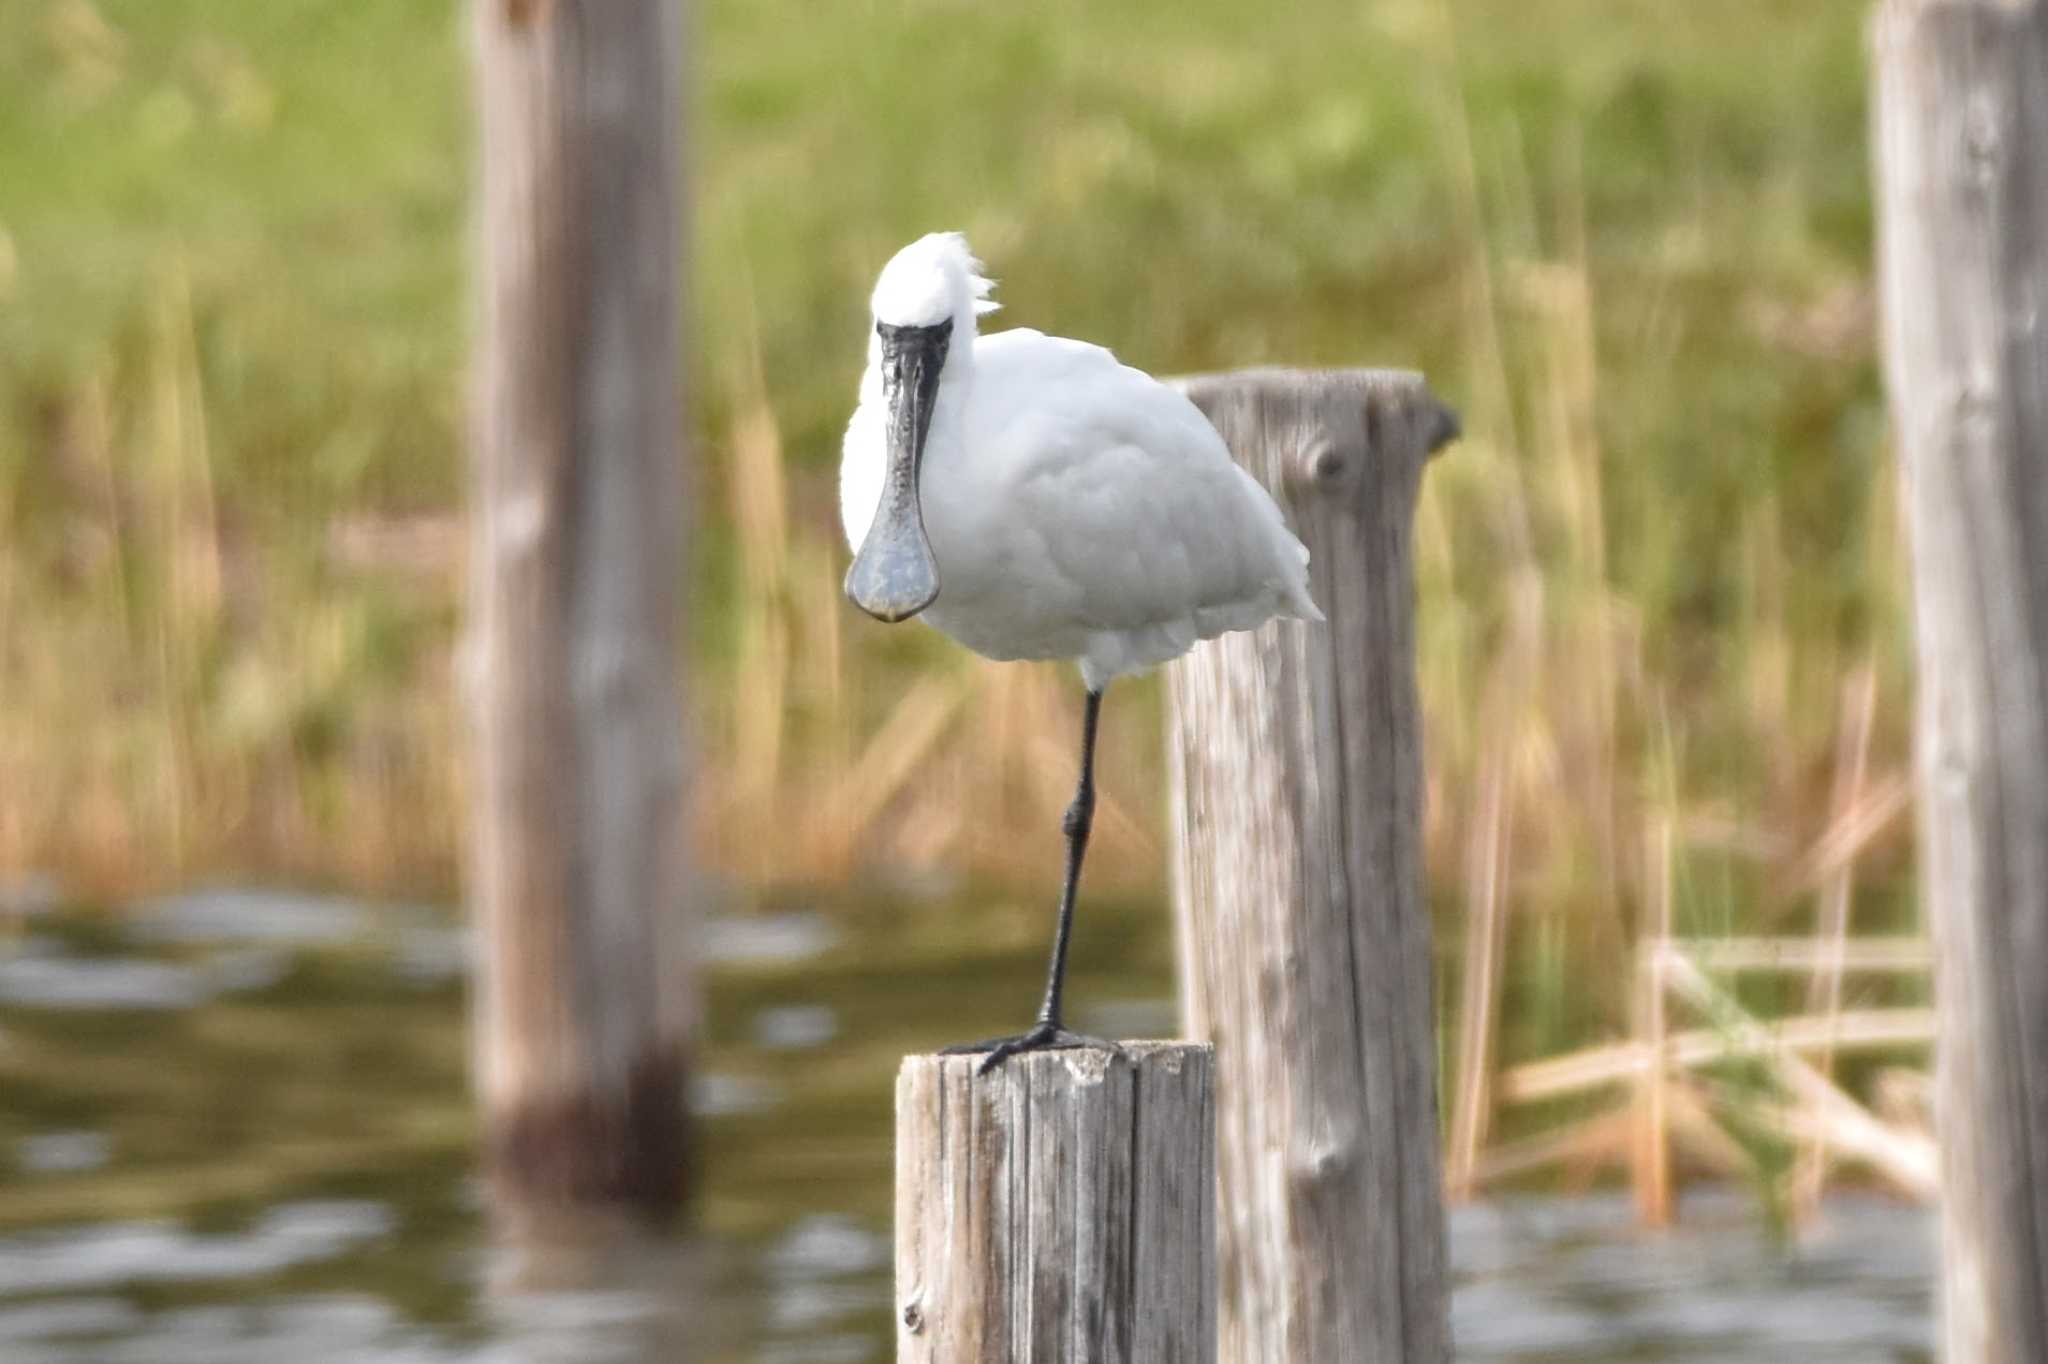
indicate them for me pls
(1630, 241)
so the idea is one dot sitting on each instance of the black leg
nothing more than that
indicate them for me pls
(1079, 820)
(1047, 1034)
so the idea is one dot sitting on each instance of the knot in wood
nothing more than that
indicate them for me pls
(1973, 409)
(521, 524)
(913, 1313)
(1324, 1161)
(1950, 771)
(1326, 466)
(2024, 318)
(1983, 140)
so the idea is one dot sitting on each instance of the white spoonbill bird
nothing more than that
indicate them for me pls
(1033, 498)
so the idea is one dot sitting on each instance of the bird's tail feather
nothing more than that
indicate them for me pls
(1299, 603)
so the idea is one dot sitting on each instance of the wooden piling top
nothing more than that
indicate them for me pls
(1060, 1208)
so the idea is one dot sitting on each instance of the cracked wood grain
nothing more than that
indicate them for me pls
(1295, 753)
(1058, 1211)
(1961, 114)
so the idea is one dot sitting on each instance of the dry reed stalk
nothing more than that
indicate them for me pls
(1591, 1144)
(752, 787)
(1853, 831)
(1869, 954)
(821, 613)
(188, 557)
(1573, 392)
(782, 738)
(758, 486)
(1490, 854)
(1494, 408)
(1909, 1164)
(1904, 1098)
(1602, 1138)
(1706, 1142)
(1824, 991)
(935, 827)
(14, 835)
(1710, 830)
(185, 463)
(1767, 646)
(1479, 987)
(1904, 1157)
(758, 504)
(851, 808)
(1006, 706)
(16, 839)
(820, 607)
(1650, 1151)
(1576, 1072)
(162, 491)
(173, 743)
(1607, 1138)
(95, 443)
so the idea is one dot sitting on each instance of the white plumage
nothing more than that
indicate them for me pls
(1076, 507)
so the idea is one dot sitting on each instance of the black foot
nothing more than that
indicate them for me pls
(1043, 1037)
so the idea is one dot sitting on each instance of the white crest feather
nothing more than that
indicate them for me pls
(933, 278)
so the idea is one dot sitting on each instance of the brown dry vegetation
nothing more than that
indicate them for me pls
(1630, 243)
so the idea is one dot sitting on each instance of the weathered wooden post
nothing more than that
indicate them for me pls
(1296, 754)
(1058, 1211)
(1961, 108)
(583, 1009)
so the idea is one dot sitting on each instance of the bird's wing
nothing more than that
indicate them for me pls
(1126, 492)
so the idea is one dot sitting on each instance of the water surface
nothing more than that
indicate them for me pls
(235, 1128)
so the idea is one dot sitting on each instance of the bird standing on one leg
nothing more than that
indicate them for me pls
(1073, 507)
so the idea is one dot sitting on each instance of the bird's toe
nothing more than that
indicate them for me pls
(1044, 1037)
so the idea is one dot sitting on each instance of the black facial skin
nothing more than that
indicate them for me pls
(894, 576)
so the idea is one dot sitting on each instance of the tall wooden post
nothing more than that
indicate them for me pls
(583, 1009)
(1296, 757)
(1961, 109)
(1058, 1211)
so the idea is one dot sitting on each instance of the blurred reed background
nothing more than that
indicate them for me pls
(1630, 242)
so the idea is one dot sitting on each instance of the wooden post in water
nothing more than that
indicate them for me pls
(583, 1008)
(1961, 107)
(1305, 942)
(1058, 1211)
